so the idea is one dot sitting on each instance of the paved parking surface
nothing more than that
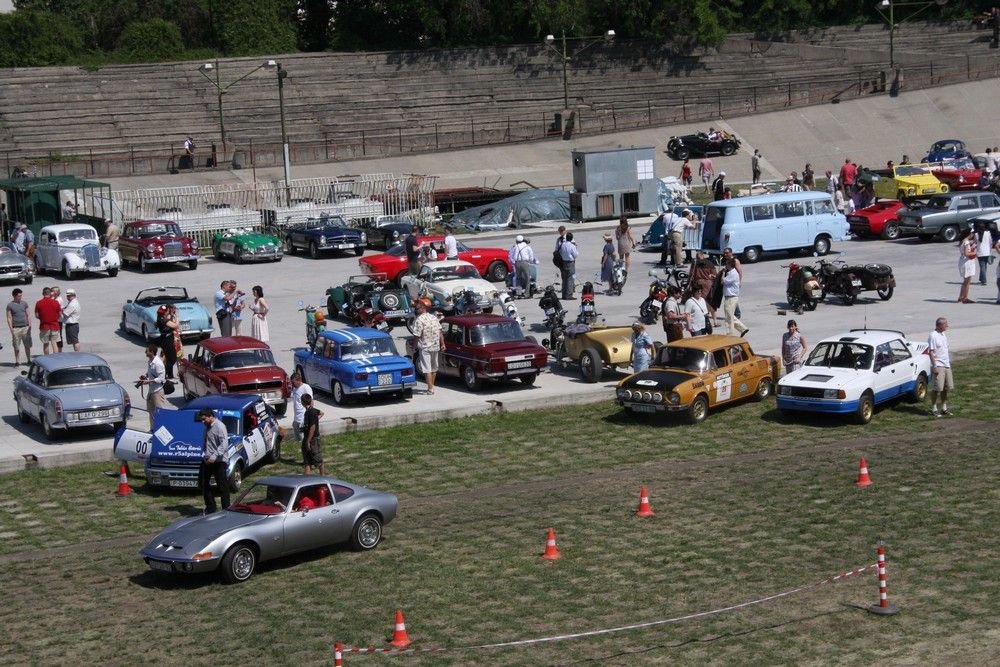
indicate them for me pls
(927, 287)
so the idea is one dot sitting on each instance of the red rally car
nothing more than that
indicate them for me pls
(492, 263)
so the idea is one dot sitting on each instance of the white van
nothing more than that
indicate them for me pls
(779, 221)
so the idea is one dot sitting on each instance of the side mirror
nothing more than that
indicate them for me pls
(127, 301)
(24, 373)
(190, 357)
(301, 303)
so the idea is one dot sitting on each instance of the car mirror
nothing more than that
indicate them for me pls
(128, 301)
(190, 357)
(24, 373)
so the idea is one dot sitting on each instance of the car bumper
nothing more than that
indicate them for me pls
(16, 274)
(180, 565)
(829, 406)
(641, 406)
(191, 333)
(173, 477)
(341, 246)
(510, 373)
(263, 256)
(171, 260)
(111, 420)
(380, 389)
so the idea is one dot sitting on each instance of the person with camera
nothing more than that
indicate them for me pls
(214, 460)
(153, 380)
(221, 302)
(237, 302)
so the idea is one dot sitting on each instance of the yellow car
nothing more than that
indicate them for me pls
(696, 374)
(906, 180)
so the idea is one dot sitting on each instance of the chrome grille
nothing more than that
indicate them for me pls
(807, 392)
(92, 255)
(173, 249)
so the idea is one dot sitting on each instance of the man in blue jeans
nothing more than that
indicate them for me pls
(214, 460)
(568, 252)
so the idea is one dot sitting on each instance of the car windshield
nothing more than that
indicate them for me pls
(160, 295)
(396, 250)
(911, 170)
(373, 347)
(500, 332)
(456, 272)
(7, 248)
(78, 235)
(168, 229)
(71, 377)
(324, 221)
(841, 354)
(391, 220)
(941, 203)
(958, 164)
(263, 499)
(243, 359)
(684, 358)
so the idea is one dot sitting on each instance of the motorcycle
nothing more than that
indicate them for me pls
(367, 316)
(588, 309)
(315, 322)
(551, 306)
(848, 281)
(509, 308)
(652, 306)
(618, 277)
(467, 303)
(801, 288)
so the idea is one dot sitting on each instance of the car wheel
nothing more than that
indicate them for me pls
(821, 245)
(591, 365)
(143, 266)
(121, 325)
(112, 273)
(469, 378)
(360, 250)
(238, 255)
(238, 563)
(919, 390)
(885, 293)
(751, 254)
(866, 408)
(339, 396)
(193, 264)
(145, 334)
(529, 379)
(727, 148)
(890, 231)
(646, 311)
(811, 304)
(23, 416)
(27, 281)
(698, 410)
(281, 410)
(217, 251)
(289, 247)
(331, 307)
(235, 480)
(314, 250)
(764, 389)
(50, 433)
(275, 454)
(497, 272)
(682, 153)
(850, 296)
(68, 272)
(367, 533)
(949, 233)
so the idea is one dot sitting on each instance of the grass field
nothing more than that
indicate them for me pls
(747, 505)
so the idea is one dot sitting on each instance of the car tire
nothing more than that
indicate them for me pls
(337, 390)
(235, 480)
(850, 297)
(408, 393)
(143, 266)
(752, 254)
(949, 233)
(698, 410)
(497, 272)
(145, 334)
(112, 273)
(764, 389)
(469, 378)
(682, 153)
(886, 293)
(217, 251)
(866, 408)
(27, 281)
(67, 272)
(360, 250)
(529, 379)
(238, 255)
(919, 392)
(275, 454)
(727, 148)
(313, 250)
(367, 532)
(890, 230)
(193, 265)
(821, 246)
(591, 365)
(289, 246)
(23, 416)
(50, 433)
(331, 307)
(238, 564)
(122, 327)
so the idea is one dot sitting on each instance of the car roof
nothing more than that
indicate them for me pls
(350, 334)
(476, 319)
(302, 480)
(866, 336)
(65, 227)
(228, 343)
(707, 343)
(51, 362)
(222, 401)
(772, 198)
(149, 222)
(445, 263)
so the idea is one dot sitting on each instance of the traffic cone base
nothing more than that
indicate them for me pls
(879, 610)
(551, 550)
(399, 637)
(123, 488)
(863, 478)
(645, 509)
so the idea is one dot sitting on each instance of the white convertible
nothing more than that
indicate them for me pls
(443, 282)
(851, 373)
(74, 248)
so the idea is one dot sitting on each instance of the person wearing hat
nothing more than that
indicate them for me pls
(522, 257)
(681, 225)
(69, 212)
(450, 243)
(430, 341)
(719, 186)
(214, 460)
(71, 319)
(642, 347)
(607, 261)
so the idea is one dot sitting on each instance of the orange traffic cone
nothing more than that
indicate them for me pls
(863, 478)
(551, 551)
(645, 509)
(399, 636)
(123, 488)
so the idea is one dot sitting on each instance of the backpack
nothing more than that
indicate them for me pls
(557, 255)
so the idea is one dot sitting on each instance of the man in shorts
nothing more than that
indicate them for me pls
(312, 452)
(430, 342)
(19, 323)
(49, 315)
(299, 390)
(71, 318)
(942, 381)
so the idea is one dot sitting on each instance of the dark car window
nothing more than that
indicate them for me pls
(456, 335)
(841, 355)
(232, 424)
(501, 332)
(988, 201)
(70, 377)
(900, 352)
(763, 212)
(243, 359)
(684, 358)
(341, 492)
(719, 359)
(940, 203)
(374, 347)
(158, 229)
(967, 203)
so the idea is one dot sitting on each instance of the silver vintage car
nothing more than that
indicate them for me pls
(14, 265)
(277, 516)
(70, 390)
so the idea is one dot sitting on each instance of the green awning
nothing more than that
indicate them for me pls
(49, 183)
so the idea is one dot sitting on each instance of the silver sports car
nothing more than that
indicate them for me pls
(275, 517)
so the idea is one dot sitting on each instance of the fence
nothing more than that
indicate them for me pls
(704, 104)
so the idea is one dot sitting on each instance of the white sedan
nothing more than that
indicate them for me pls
(73, 248)
(445, 282)
(853, 372)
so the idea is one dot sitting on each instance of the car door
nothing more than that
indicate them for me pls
(319, 363)
(885, 382)
(742, 369)
(253, 438)
(34, 392)
(721, 377)
(312, 527)
(127, 245)
(454, 342)
(792, 227)
(43, 251)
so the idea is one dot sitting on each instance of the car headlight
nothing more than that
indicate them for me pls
(658, 397)
(104, 252)
(194, 245)
(79, 252)
(784, 390)
(674, 398)
(829, 393)
(364, 237)
(322, 240)
(624, 394)
(647, 396)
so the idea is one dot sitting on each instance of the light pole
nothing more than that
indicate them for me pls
(282, 73)
(221, 90)
(891, 5)
(565, 56)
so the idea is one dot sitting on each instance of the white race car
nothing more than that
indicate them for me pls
(445, 283)
(853, 372)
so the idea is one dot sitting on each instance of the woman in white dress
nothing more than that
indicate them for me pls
(258, 323)
(967, 264)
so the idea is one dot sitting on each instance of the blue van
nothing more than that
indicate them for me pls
(780, 221)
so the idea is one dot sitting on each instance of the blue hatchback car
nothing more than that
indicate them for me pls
(355, 361)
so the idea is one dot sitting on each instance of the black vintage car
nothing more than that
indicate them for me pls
(328, 232)
(721, 143)
(388, 230)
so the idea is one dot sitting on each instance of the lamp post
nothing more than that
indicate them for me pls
(565, 56)
(890, 6)
(221, 90)
(282, 73)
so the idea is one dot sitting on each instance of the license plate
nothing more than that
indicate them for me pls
(856, 283)
(184, 483)
(394, 313)
(344, 246)
(384, 379)
(157, 565)
(643, 408)
(518, 364)
(185, 326)
(658, 302)
(550, 311)
(94, 414)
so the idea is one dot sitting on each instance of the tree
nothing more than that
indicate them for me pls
(37, 39)
(156, 39)
(314, 23)
(256, 27)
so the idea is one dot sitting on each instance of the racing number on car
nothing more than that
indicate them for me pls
(724, 387)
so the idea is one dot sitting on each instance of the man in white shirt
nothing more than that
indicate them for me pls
(299, 389)
(450, 244)
(154, 379)
(71, 318)
(522, 257)
(942, 382)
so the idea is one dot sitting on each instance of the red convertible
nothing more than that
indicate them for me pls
(487, 347)
(149, 242)
(960, 173)
(492, 263)
(879, 219)
(235, 365)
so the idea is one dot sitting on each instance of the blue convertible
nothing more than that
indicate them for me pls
(139, 314)
(355, 362)
(328, 232)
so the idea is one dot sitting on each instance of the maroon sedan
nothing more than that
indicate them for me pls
(235, 365)
(147, 243)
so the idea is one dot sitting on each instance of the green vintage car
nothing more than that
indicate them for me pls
(245, 245)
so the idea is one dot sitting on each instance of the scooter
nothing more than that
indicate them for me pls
(618, 277)
(315, 322)
(652, 306)
(801, 289)
(588, 309)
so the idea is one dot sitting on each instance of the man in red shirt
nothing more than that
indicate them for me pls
(848, 173)
(48, 312)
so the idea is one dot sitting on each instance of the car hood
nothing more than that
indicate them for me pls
(451, 286)
(379, 364)
(66, 245)
(514, 347)
(657, 378)
(252, 375)
(334, 231)
(186, 537)
(823, 377)
(90, 396)
(252, 239)
(10, 259)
